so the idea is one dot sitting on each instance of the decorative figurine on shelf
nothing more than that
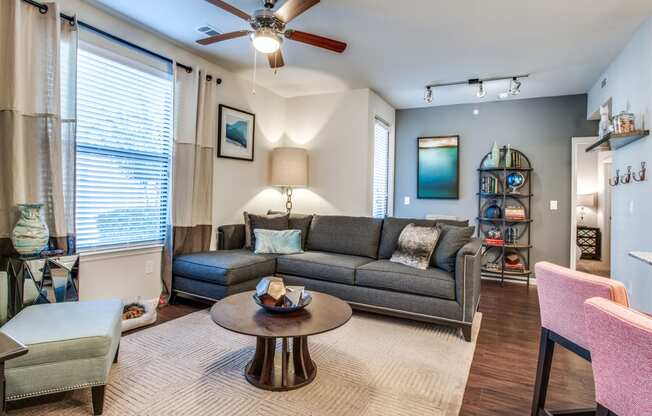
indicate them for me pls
(605, 123)
(493, 211)
(30, 235)
(508, 156)
(515, 181)
(493, 161)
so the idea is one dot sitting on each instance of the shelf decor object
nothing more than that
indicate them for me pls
(614, 141)
(504, 207)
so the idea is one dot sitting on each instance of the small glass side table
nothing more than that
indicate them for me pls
(42, 280)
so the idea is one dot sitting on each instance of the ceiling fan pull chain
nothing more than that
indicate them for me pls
(253, 86)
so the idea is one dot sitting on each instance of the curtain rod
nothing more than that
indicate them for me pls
(43, 9)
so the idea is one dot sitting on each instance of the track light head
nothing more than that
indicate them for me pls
(427, 96)
(482, 92)
(514, 86)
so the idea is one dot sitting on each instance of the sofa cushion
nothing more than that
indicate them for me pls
(224, 267)
(320, 265)
(265, 222)
(392, 228)
(56, 332)
(355, 236)
(297, 222)
(451, 240)
(383, 274)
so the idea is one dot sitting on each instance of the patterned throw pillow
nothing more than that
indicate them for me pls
(415, 246)
(277, 242)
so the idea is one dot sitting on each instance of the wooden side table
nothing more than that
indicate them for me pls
(589, 240)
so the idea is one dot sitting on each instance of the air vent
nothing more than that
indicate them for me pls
(207, 30)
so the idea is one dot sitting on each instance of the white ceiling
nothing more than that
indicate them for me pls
(398, 46)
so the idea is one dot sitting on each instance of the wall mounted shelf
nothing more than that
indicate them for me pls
(616, 141)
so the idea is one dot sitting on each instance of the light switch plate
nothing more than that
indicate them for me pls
(149, 267)
(554, 205)
(406, 200)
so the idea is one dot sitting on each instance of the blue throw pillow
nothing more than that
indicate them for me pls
(277, 242)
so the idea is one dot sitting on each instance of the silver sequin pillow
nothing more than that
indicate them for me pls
(415, 246)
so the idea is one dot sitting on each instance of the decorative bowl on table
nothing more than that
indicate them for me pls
(273, 296)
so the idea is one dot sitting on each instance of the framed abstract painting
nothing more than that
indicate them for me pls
(235, 133)
(438, 167)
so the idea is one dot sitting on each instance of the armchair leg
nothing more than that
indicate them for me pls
(117, 351)
(98, 399)
(546, 348)
(466, 331)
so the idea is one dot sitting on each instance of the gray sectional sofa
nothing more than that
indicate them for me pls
(347, 257)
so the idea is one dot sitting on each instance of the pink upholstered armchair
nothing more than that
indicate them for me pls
(620, 341)
(562, 293)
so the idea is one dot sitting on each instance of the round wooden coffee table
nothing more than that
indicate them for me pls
(292, 367)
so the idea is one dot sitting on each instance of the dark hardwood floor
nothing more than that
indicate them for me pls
(502, 373)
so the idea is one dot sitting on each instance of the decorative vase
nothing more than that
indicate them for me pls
(494, 157)
(508, 157)
(31, 234)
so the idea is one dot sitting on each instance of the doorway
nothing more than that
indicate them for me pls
(590, 209)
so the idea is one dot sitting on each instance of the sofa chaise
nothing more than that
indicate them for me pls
(347, 257)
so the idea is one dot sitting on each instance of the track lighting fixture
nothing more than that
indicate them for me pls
(427, 96)
(482, 92)
(514, 86)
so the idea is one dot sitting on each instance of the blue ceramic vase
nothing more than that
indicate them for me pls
(31, 234)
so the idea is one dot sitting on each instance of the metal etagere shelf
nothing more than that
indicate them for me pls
(504, 209)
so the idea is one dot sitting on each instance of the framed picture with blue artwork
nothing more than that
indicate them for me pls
(438, 167)
(235, 133)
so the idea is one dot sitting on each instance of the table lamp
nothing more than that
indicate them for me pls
(289, 170)
(586, 201)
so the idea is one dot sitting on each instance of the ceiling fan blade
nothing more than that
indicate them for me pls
(276, 59)
(227, 7)
(293, 8)
(316, 40)
(223, 36)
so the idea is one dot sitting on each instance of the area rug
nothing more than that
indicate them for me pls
(373, 365)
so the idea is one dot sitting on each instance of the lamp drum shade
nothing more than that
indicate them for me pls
(587, 200)
(289, 167)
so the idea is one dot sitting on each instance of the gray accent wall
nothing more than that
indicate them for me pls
(541, 128)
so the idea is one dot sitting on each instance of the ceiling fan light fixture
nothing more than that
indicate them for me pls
(266, 41)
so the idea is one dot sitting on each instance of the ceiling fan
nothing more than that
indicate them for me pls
(268, 29)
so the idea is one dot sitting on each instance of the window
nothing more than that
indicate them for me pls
(124, 147)
(381, 178)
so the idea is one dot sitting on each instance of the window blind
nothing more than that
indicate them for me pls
(124, 148)
(381, 170)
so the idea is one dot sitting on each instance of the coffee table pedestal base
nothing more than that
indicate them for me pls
(288, 369)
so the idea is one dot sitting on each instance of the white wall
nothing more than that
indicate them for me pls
(337, 130)
(629, 85)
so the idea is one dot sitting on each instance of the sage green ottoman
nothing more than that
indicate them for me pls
(71, 346)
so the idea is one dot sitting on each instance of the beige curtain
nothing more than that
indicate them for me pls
(37, 118)
(192, 172)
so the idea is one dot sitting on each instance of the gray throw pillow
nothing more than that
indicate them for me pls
(263, 222)
(451, 240)
(297, 222)
(415, 246)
